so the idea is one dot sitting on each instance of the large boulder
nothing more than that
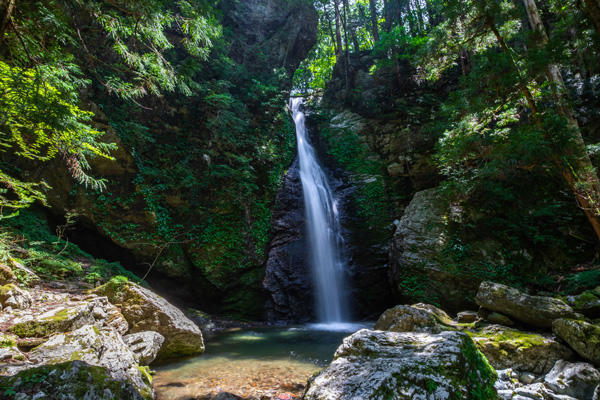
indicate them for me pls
(147, 311)
(62, 318)
(67, 381)
(416, 255)
(582, 336)
(578, 380)
(538, 311)
(523, 351)
(375, 364)
(144, 345)
(403, 318)
(94, 346)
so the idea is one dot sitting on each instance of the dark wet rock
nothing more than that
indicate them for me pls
(271, 33)
(521, 351)
(287, 274)
(147, 311)
(582, 336)
(538, 311)
(500, 319)
(67, 381)
(144, 345)
(374, 364)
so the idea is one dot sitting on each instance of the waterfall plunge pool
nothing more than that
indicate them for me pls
(266, 363)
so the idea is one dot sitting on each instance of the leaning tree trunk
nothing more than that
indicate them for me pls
(6, 9)
(580, 175)
(593, 9)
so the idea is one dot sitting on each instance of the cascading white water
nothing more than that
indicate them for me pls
(323, 227)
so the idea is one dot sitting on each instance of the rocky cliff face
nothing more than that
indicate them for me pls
(288, 277)
(287, 274)
(171, 200)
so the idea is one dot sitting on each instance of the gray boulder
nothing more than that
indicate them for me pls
(538, 311)
(578, 380)
(103, 348)
(147, 311)
(403, 318)
(375, 364)
(69, 381)
(523, 351)
(42, 322)
(144, 345)
(582, 336)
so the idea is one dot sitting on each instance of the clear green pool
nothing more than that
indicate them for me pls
(261, 363)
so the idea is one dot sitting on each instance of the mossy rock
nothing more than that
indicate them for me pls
(144, 310)
(402, 366)
(587, 303)
(523, 351)
(582, 336)
(69, 380)
(60, 319)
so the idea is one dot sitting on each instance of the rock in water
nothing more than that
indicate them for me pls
(578, 380)
(144, 345)
(147, 311)
(582, 336)
(68, 381)
(103, 348)
(389, 365)
(522, 351)
(538, 311)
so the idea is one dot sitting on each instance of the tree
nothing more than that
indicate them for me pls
(45, 61)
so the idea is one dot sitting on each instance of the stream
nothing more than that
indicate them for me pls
(269, 363)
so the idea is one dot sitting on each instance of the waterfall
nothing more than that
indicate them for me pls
(323, 227)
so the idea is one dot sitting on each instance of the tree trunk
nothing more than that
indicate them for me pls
(581, 176)
(6, 9)
(346, 49)
(373, 12)
(338, 27)
(329, 24)
(593, 9)
(419, 13)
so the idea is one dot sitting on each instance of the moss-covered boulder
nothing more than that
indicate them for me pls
(14, 297)
(416, 318)
(522, 351)
(582, 336)
(390, 365)
(67, 381)
(147, 311)
(537, 311)
(99, 347)
(40, 323)
(587, 303)
(9, 351)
